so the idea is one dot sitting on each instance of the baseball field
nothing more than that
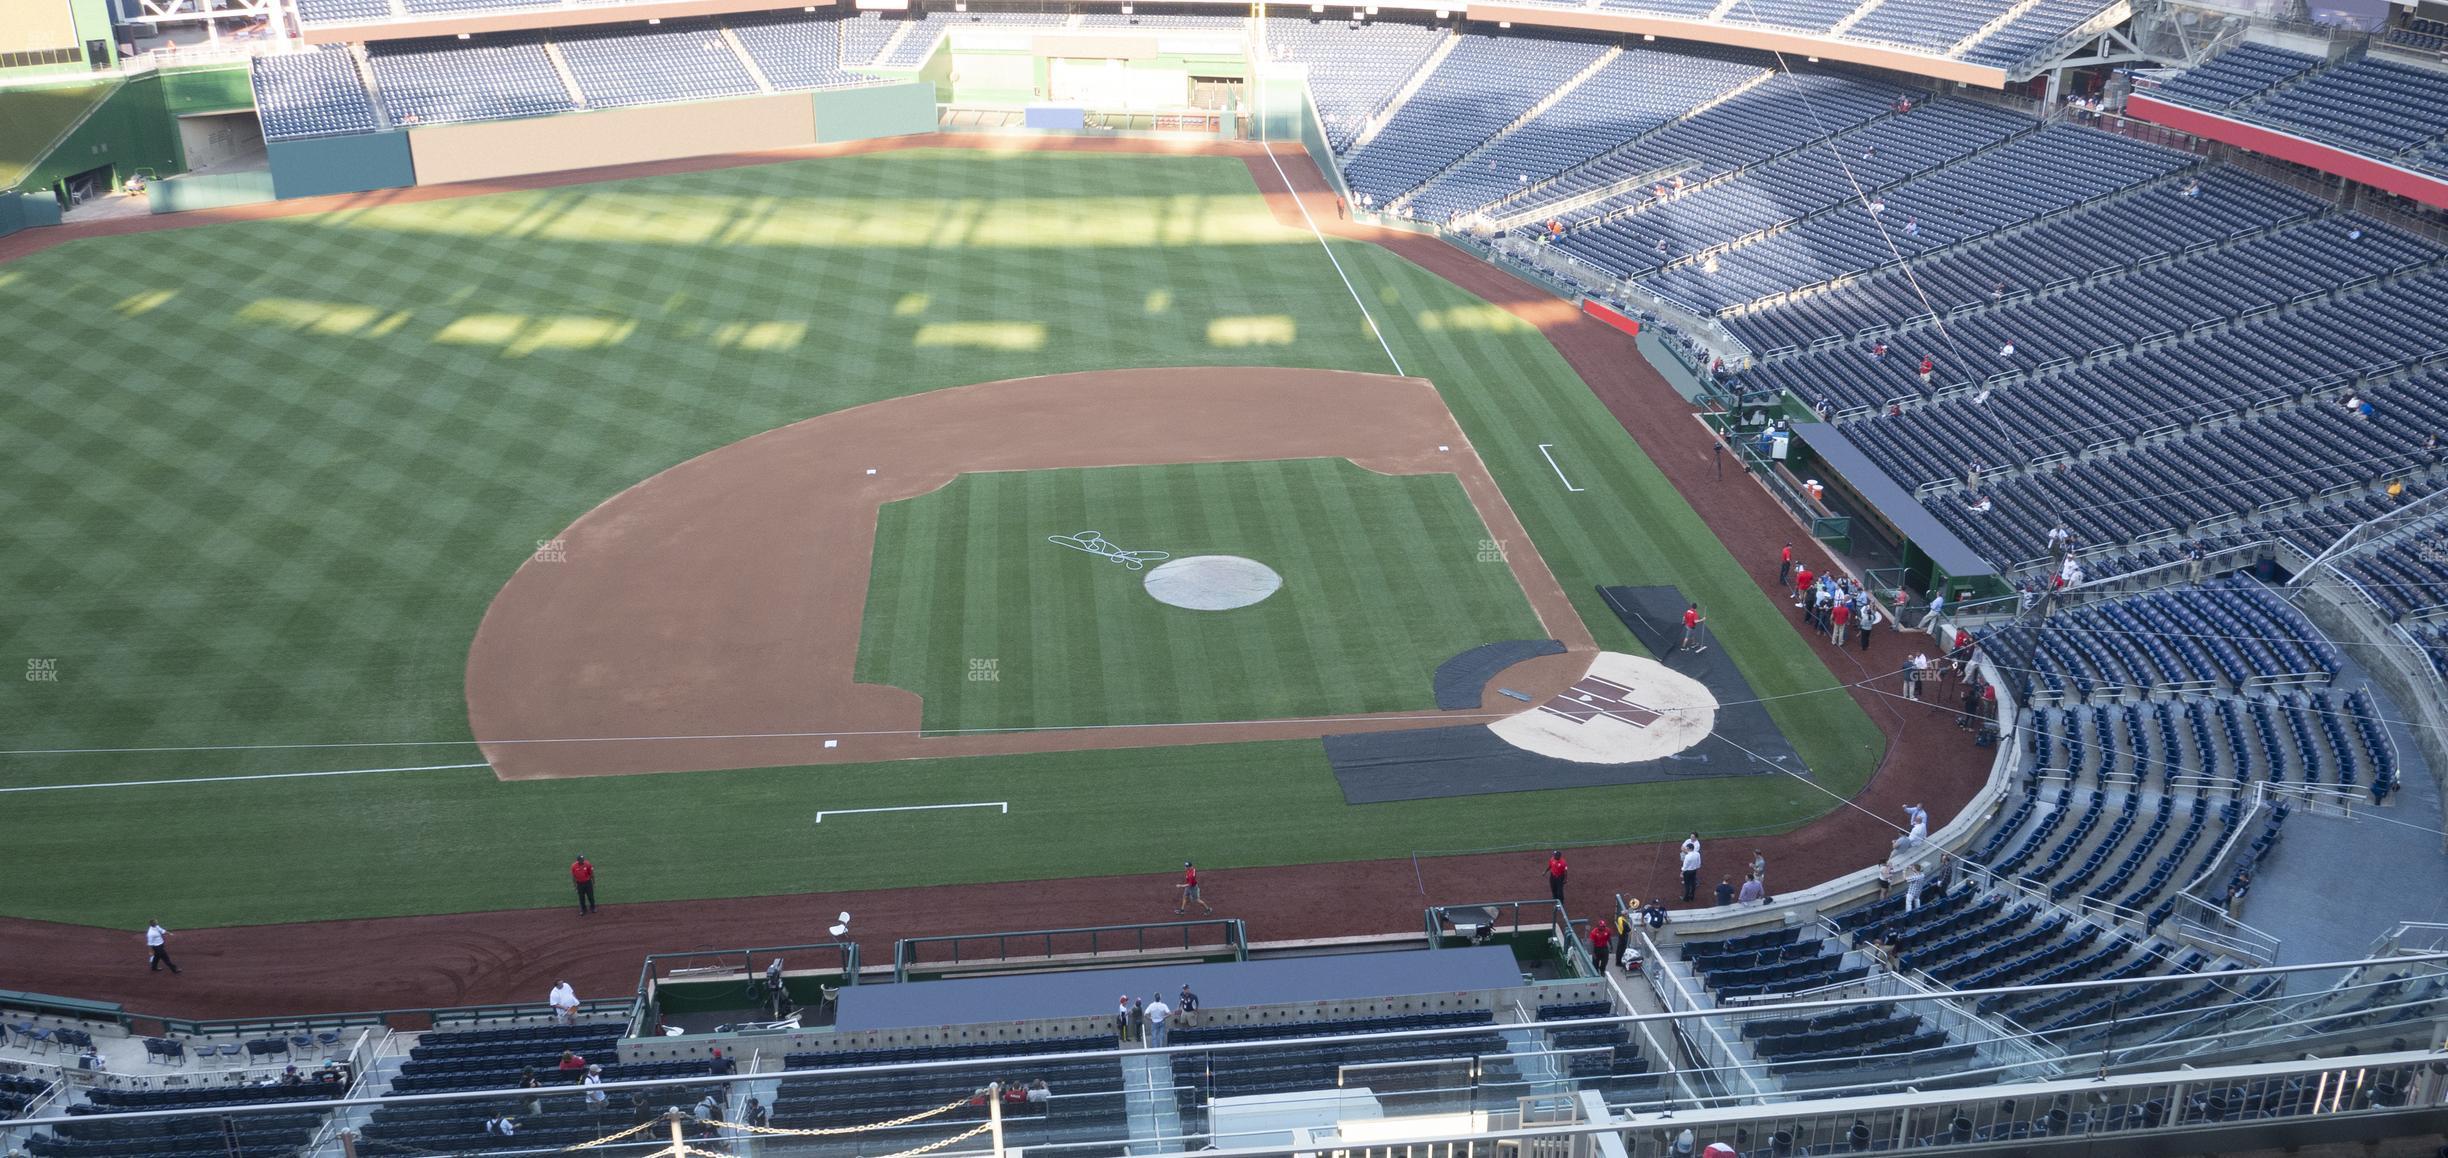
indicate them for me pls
(269, 478)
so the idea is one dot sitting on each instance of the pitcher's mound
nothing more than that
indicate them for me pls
(1627, 709)
(1212, 582)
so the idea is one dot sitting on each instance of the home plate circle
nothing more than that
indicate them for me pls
(1626, 710)
(1212, 582)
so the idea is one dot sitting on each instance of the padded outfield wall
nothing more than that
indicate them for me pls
(442, 154)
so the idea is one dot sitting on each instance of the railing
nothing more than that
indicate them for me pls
(282, 1026)
(1701, 1036)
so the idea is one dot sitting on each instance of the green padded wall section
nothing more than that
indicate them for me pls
(210, 191)
(358, 163)
(859, 114)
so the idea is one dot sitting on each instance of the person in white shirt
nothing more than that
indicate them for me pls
(1157, 1012)
(596, 1097)
(564, 1001)
(1912, 888)
(1937, 609)
(1691, 867)
(157, 939)
(1918, 818)
(502, 1127)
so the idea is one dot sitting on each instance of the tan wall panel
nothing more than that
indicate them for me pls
(449, 153)
(36, 25)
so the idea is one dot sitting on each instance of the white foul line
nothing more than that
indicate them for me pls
(1551, 465)
(232, 779)
(1315, 232)
(1003, 805)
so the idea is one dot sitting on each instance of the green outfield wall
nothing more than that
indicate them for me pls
(27, 211)
(131, 125)
(210, 191)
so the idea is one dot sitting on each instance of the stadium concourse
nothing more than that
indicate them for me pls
(515, 956)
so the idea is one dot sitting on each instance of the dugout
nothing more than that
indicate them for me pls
(727, 990)
(1885, 526)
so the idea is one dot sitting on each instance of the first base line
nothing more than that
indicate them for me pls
(1003, 806)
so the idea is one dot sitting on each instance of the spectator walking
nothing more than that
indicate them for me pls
(564, 1002)
(1802, 582)
(597, 1099)
(1557, 870)
(1912, 690)
(1785, 565)
(582, 875)
(1692, 619)
(1912, 887)
(1601, 941)
(1157, 1012)
(157, 944)
(1654, 914)
(1691, 867)
(1937, 611)
(1190, 891)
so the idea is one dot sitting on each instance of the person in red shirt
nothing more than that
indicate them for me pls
(1928, 367)
(582, 874)
(1802, 582)
(1838, 616)
(1557, 870)
(1785, 564)
(1602, 940)
(1190, 890)
(1692, 619)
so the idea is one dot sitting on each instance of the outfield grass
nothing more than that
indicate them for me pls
(1365, 614)
(266, 477)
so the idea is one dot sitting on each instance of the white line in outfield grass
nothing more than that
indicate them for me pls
(234, 779)
(1303, 206)
(1551, 465)
(1003, 805)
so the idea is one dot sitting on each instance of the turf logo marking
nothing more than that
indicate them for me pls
(1491, 551)
(985, 671)
(42, 671)
(551, 551)
(1093, 542)
(1002, 806)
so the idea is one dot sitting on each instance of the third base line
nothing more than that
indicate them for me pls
(1003, 806)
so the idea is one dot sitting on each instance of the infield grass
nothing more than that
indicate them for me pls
(971, 607)
(265, 478)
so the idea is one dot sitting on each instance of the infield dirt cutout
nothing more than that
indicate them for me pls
(709, 616)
